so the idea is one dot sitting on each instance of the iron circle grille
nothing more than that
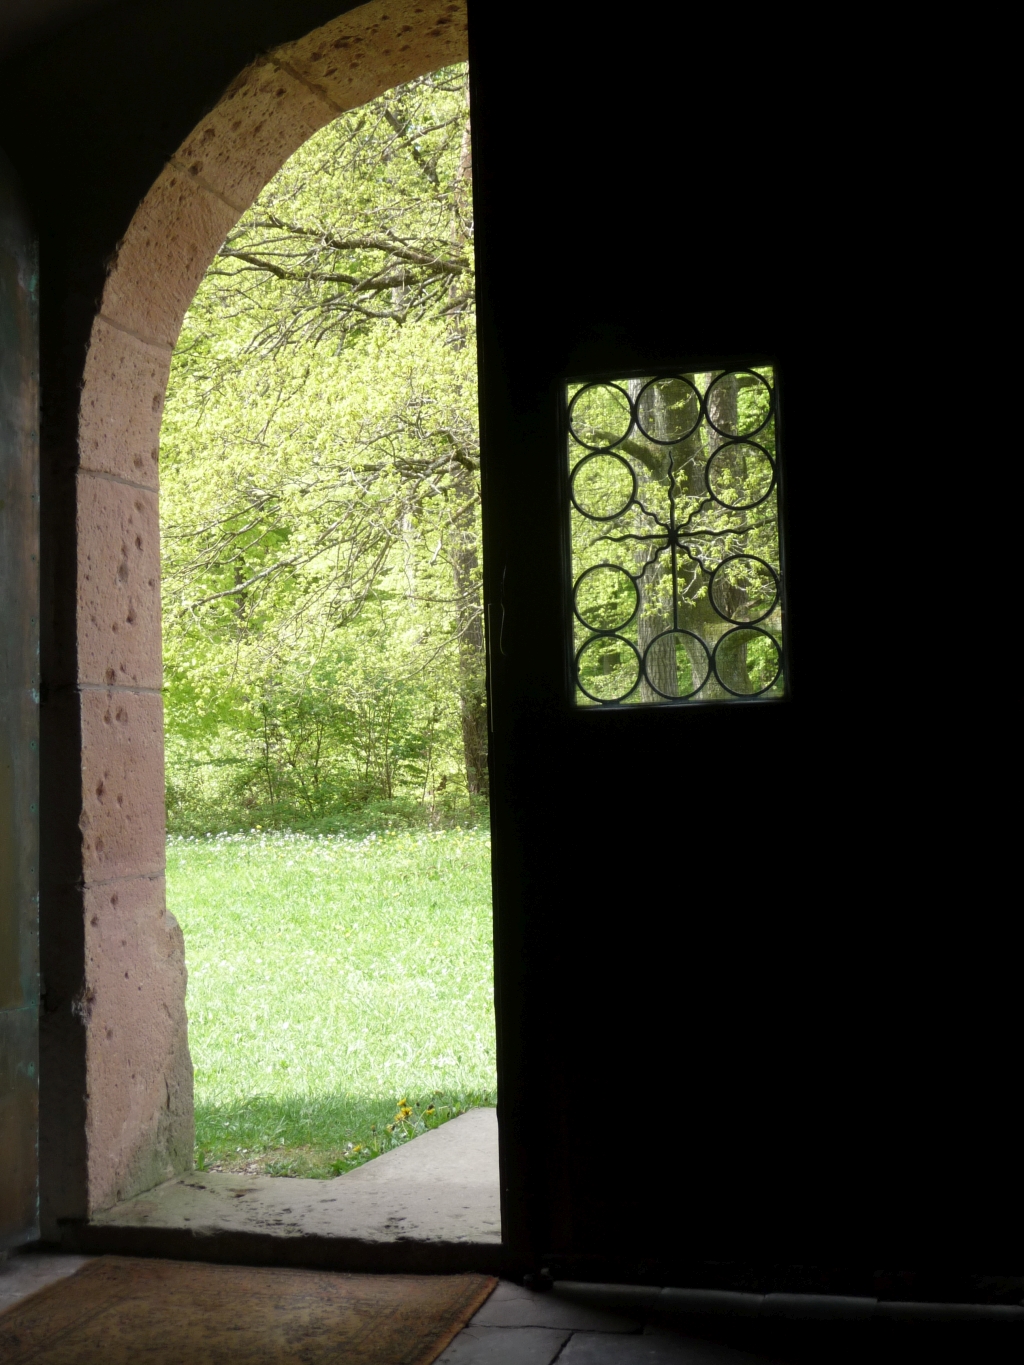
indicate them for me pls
(676, 591)
(614, 440)
(617, 625)
(751, 630)
(604, 455)
(724, 450)
(606, 639)
(676, 696)
(739, 435)
(675, 379)
(733, 620)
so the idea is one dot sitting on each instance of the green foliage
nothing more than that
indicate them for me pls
(339, 994)
(320, 494)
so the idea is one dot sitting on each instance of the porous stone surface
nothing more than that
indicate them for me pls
(264, 116)
(367, 51)
(118, 584)
(173, 237)
(122, 405)
(137, 1053)
(122, 818)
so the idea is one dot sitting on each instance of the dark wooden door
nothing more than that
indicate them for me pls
(719, 1054)
(19, 681)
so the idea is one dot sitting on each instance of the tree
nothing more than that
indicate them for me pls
(321, 466)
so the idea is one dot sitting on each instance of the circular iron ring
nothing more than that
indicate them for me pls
(621, 625)
(682, 696)
(660, 379)
(620, 639)
(732, 435)
(755, 630)
(601, 384)
(739, 506)
(732, 619)
(603, 455)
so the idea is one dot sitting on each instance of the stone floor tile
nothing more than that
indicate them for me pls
(653, 1348)
(504, 1346)
(508, 1289)
(526, 1308)
(23, 1273)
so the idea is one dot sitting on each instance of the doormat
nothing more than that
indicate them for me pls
(122, 1310)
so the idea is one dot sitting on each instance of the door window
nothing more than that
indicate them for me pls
(677, 591)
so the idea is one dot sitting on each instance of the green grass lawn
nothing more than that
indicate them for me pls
(339, 992)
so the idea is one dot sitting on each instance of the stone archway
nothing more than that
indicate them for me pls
(139, 1123)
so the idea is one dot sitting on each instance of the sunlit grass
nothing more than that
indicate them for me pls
(340, 991)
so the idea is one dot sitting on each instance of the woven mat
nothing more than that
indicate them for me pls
(120, 1310)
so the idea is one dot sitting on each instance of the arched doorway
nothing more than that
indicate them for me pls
(138, 1074)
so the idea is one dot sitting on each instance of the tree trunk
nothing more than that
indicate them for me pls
(470, 623)
(723, 411)
(465, 553)
(654, 614)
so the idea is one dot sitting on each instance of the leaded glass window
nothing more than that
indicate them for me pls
(677, 591)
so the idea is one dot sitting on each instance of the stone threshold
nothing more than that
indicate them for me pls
(431, 1205)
